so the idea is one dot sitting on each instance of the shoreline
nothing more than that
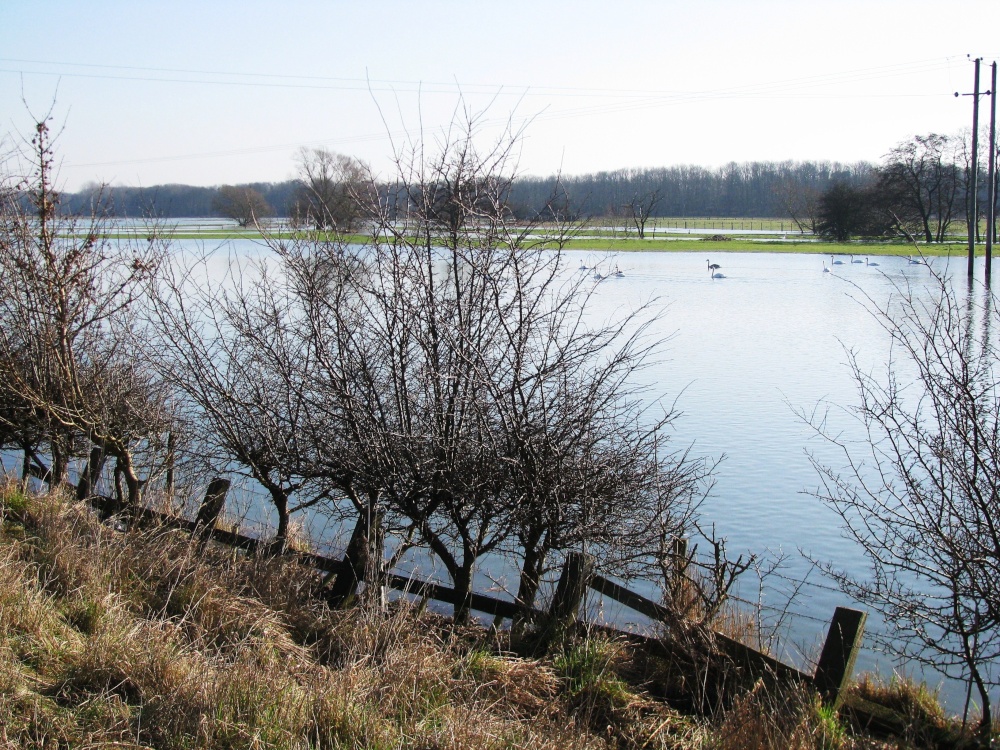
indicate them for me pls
(732, 243)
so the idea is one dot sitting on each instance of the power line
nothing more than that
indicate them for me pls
(630, 100)
(294, 81)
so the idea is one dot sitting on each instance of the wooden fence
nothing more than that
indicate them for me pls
(833, 671)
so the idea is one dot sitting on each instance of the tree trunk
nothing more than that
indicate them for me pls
(60, 464)
(363, 559)
(280, 542)
(91, 473)
(531, 573)
(986, 720)
(132, 482)
(463, 592)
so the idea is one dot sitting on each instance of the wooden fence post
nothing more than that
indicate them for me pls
(212, 505)
(171, 449)
(570, 589)
(836, 662)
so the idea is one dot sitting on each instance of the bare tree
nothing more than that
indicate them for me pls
(241, 203)
(800, 201)
(328, 196)
(922, 497)
(67, 349)
(963, 157)
(232, 351)
(641, 208)
(921, 182)
(483, 407)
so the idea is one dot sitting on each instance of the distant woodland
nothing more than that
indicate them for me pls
(747, 189)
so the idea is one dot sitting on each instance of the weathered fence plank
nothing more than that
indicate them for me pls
(740, 653)
(629, 598)
(758, 662)
(479, 602)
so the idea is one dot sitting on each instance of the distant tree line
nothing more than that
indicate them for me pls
(745, 189)
(757, 189)
(918, 191)
(175, 201)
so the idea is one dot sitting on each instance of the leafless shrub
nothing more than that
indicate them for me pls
(921, 497)
(70, 372)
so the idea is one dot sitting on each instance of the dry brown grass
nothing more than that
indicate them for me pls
(145, 639)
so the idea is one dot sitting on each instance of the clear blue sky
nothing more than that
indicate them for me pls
(215, 91)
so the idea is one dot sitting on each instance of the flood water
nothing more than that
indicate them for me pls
(741, 356)
(748, 354)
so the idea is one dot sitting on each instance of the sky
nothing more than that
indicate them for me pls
(212, 92)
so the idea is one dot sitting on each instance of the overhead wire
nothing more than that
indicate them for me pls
(628, 100)
(292, 81)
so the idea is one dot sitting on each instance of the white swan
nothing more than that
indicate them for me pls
(825, 269)
(834, 262)
(868, 263)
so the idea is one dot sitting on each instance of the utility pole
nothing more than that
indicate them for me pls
(991, 210)
(972, 201)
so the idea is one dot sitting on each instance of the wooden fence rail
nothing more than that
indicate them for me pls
(833, 671)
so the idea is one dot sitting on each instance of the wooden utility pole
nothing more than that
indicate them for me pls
(991, 209)
(974, 177)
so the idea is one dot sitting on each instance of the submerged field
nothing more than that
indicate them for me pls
(681, 235)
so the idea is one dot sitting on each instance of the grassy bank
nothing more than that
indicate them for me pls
(634, 244)
(143, 639)
(602, 239)
(746, 245)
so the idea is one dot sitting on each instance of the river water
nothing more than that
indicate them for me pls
(740, 357)
(743, 358)
(747, 355)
